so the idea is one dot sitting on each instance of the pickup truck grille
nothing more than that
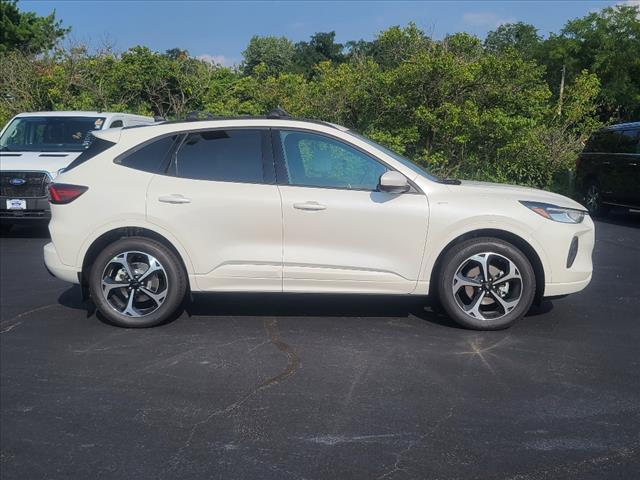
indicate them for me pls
(34, 185)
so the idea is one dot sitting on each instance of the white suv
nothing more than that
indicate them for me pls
(35, 146)
(276, 204)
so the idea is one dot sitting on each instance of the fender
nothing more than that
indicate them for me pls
(134, 222)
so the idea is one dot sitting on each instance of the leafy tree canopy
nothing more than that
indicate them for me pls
(26, 31)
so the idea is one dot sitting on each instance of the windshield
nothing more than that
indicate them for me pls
(50, 134)
(396, 156)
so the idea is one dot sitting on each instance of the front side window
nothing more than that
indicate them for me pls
(50, 134)
(116, 124)
(221, 155)
(152, 157)
(318, 161)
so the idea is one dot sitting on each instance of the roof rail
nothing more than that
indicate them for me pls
(278, 113)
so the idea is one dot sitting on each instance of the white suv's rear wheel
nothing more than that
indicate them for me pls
(137, 282)
(486, 284)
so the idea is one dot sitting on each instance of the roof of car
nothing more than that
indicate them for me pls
(267, 119)
(81, 114)
(623, 126)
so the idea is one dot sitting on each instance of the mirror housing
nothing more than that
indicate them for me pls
(393, 182)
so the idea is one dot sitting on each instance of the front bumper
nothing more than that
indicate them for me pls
(563, 275)
(57, 268)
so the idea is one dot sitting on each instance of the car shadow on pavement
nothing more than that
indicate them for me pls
(28, 230)
(289, 305)
(302, 305)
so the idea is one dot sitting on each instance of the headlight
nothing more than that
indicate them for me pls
(555, 213)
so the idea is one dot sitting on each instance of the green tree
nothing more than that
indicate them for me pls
(26, 31)
(276, 53)
(520, 37)
(321, 47)
(606, 43)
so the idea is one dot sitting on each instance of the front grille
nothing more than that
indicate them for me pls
(35, 184)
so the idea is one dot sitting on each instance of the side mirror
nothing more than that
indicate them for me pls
(393, 182)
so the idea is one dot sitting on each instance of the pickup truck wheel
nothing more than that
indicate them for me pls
(137, 282)
(486, 284)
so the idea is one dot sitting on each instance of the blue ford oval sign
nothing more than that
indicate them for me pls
(17, 181)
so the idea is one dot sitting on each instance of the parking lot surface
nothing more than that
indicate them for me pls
(316, 387)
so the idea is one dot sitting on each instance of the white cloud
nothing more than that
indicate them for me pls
(217, 60)
(485, 19)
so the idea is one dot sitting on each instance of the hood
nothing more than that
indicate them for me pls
(36, 161)
(518, 193)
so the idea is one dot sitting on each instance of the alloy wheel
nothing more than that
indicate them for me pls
(487, 286)
(134, 284)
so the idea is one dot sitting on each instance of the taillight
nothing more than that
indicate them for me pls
(61, 193)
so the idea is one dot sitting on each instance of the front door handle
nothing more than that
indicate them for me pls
(314, 206)
(174, 198)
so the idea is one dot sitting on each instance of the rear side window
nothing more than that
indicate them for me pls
(602, 142)
(221, 155)
(97, 146)
(151, 157)
(629, 141)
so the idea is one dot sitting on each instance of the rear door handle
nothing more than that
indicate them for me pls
(174, 198)
(314, 206)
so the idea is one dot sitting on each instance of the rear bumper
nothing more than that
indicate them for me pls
(57, 268)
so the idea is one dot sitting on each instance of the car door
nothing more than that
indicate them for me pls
(340, 233)
(629, 153)
(219, 199)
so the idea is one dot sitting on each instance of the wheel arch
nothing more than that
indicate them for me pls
(523, 245)
(114, 234)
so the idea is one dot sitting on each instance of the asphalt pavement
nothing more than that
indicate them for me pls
(320, 387)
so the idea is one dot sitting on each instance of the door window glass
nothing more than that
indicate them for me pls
(116, 124)
(221, 155)
(628, 141)
(318, 161)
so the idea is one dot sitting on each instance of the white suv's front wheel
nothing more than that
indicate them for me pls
(486, 284)
(137, 282)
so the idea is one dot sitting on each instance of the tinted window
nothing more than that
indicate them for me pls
(116, 124)
(98, 145)
(628, 141)
(50, 134)
(150, 157)
(319, 161)
(221, 155)
(603, 142)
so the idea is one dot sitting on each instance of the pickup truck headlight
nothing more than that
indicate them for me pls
(555, 213)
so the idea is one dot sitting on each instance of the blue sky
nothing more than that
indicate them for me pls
(221, 30)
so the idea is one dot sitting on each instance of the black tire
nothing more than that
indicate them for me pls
(175, 288)
(458, 255)
(592, 198)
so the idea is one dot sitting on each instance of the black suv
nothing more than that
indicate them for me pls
(608, 169)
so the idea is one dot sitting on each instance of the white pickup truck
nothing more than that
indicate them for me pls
(35, 146)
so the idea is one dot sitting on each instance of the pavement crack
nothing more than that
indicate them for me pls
(397, 466)
(293, 363)
(12, 323)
